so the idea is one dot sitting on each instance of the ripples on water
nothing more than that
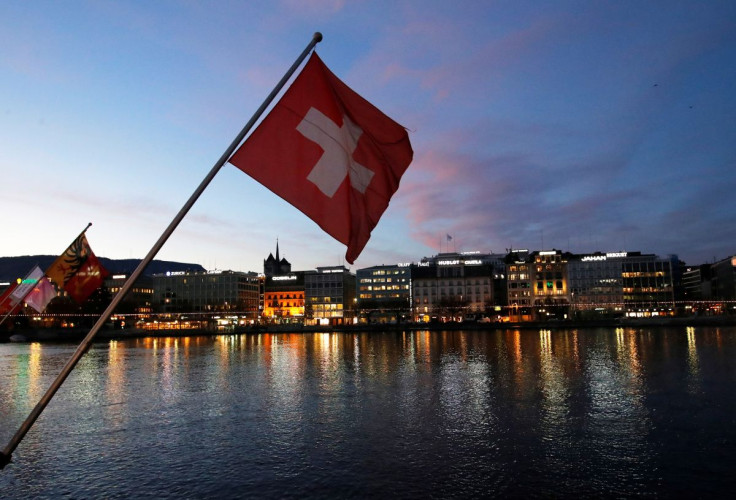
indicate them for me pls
(445, 414)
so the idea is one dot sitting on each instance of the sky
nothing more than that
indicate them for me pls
(575, 125)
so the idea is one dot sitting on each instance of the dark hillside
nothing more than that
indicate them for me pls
(12, 268)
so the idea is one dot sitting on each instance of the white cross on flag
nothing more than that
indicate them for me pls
(330, 153)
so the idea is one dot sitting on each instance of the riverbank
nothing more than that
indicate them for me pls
(76, 334)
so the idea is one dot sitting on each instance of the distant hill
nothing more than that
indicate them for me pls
(12, 268)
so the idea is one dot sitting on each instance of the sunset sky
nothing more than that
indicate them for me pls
(573, 125)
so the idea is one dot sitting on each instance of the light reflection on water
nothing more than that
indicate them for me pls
(600, 412)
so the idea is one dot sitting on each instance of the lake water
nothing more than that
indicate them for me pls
(593, 412)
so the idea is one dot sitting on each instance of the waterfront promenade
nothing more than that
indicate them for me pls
(77, 334)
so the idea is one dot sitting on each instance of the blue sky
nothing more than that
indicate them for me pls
(574, 125)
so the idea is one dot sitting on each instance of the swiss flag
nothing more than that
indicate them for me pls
(330, 153)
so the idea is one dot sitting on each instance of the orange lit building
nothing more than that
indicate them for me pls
(520, 285)
(283, 297)
(551, 293)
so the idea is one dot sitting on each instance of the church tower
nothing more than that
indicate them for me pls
(275, 266)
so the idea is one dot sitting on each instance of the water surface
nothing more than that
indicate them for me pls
(594, 412)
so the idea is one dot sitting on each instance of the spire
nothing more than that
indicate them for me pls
(277, 250)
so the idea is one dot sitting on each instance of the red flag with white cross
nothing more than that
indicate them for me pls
(330, 153)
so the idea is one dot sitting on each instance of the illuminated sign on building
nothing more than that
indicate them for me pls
(284, 278)
(609, 255)
(119, 276)
(548, 252)
(403, 264)
(175, 273)
(472, 262)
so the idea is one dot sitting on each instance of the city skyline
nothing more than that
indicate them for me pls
(258, 267)
(573, 126)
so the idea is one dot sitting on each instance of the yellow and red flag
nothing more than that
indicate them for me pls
(77, 270)
(68, 263)
(88, 278)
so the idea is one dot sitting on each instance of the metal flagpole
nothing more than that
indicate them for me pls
(21, 299)
(7, 452)
(38, 281)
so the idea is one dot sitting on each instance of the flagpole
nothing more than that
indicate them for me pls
(20, 301)
(26, 425)
(32, 288)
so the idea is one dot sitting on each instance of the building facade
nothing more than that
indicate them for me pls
(648, 285)
(207, 292)
(550, 283)
(139, 299)
(454, 286)
(723, 279)
(696, 283)
(384, 293)
(330, 295)
(284, 295)
(596, 283)
(621, 283)
(519, 285)
(537, 285)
